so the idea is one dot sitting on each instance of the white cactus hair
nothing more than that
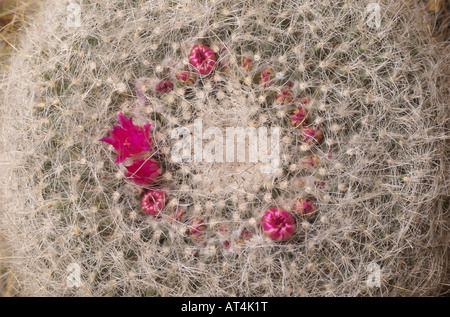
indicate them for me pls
(379, 95)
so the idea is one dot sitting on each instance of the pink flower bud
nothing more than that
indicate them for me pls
(226, 245)
(198, 229)
(186, 77)
(299, 117)
(304, 207)
(278, 224)
(247, 63)
(312, 135)
(203, 59)
(177, 216)
(164, 87)
(153, 201)
(267, 77)
(285, 97)
(310, 161)
(143, 172)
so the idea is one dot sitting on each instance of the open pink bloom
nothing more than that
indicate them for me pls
(186, 77)
(278, 224)
(143, 172)
(129, 140)
(304, 207)
(202, 58)
(164, 87)
(285, 97)
(153, 201)
(312, 135)
(267, 77)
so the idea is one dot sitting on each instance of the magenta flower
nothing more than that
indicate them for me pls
(202, 58)
(143, 172)
(278, 224)
(129, 140)
(164, 87)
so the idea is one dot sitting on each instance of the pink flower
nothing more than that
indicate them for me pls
(186, 77)
(153, 201)
(129, 140)
(304, 207)
(164, 87)
(202, 58)
(143, 172)
(312, 135)
(285, 97)
(267, 77)
(278, 224)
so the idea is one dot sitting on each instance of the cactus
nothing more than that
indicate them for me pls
(375, 103)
